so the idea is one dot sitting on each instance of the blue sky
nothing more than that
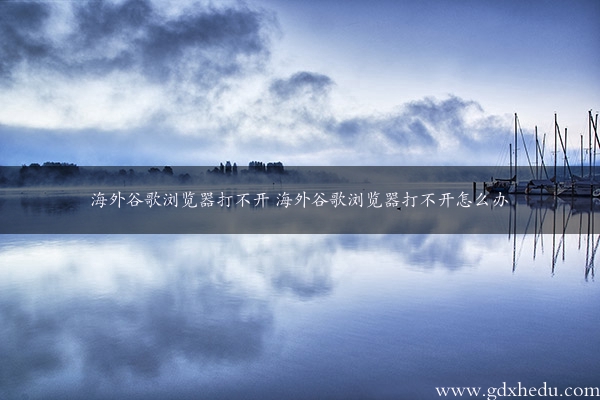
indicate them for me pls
(140, 82)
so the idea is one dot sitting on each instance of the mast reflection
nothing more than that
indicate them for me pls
(563, 218)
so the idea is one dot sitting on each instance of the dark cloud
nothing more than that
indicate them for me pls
(97, 20)
(428, 130)
(408, 131)
(350, 127)
(446, 115)
(301, 84)
(21, 34)
(424, 125)
(202, 45)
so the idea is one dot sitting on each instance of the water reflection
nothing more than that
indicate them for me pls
(120, 307)
(561, 220)
(300, 315)
(51, 205)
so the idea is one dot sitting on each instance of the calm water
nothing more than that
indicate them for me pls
(294, 316)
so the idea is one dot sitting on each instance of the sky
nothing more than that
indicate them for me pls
(329, 82)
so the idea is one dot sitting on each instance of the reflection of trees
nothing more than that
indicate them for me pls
(51, 204)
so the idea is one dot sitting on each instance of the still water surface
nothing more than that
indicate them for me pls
(294, 316)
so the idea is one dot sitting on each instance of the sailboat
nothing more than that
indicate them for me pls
(512, 185)
(578, 185)
(499, 185)
(587, 186)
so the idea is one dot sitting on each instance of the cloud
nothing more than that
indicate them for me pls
(21, 34)
(204, 44)
(301, 119)
(421, 131)
(422, 126)
(202, 47)
(121, 65)
(301, 83)
(193, 85)
(299, 132)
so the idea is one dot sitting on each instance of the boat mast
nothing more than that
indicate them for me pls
(510, 159)
(590, 143)
(565, 161)
(516, 180)
(540, 152)
(564, 148)
(595, 134)
(537, 173)
(582, 154)
(594, 124)
(555, 153)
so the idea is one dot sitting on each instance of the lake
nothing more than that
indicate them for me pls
(379, 286)
(298, 316)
